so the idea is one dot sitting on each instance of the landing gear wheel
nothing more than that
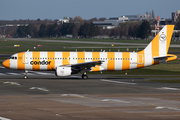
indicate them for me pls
(84, 77)
(25, 77)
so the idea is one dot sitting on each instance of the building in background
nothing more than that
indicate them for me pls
(175, 15)
(137, 17)
(111, 22)
(115, 21)
(64, 20)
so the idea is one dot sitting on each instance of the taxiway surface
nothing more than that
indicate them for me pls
(102, 97)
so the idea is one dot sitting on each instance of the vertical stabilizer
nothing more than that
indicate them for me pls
(159, 46)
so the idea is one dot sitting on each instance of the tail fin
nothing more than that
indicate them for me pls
(159, 46)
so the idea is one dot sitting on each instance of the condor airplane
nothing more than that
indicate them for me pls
(68, 63)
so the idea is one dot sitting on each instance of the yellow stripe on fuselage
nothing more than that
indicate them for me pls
(51, 59)
(95, 57)
(20, 64)
(80, 57)
(66, 56)
(36, 59)
(125, 60)
(111, 61)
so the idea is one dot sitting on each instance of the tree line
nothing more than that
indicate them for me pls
(86, 30)
(80, 28)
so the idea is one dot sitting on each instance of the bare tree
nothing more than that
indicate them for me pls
(78, 20)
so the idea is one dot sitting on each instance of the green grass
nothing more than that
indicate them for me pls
(106, 40)
(7, 47)
(174, 49)
(99, 40)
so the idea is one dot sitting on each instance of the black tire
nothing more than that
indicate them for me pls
(85, 77)
(25, 77)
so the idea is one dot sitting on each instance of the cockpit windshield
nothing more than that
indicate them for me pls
(13, 57)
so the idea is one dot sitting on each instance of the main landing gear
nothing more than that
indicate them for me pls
(84, 76)
(25, 76)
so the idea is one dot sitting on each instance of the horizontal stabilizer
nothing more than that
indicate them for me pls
(162, 58)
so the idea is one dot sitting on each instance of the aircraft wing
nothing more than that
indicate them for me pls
(86, 66)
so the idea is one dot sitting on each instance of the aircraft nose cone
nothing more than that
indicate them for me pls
(6, 63)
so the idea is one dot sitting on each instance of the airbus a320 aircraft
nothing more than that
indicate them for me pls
(68, 63)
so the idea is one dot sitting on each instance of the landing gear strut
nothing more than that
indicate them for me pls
(84, 76)
(25, 76)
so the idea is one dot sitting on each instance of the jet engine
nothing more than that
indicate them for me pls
(63, 71)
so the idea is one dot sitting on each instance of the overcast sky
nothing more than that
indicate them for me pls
(57, 9)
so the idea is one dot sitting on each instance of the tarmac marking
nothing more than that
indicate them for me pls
(42, 89)
(114, 100)
(39, 73)
(2, 118)
(167, 88)
(117, 82)
(12, 83)
(74, 95)
(74, 76)
(159, 107)
(171, 108)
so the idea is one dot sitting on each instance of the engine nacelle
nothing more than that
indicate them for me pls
(63, 71)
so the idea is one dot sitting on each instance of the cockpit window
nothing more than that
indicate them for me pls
(14, 58)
